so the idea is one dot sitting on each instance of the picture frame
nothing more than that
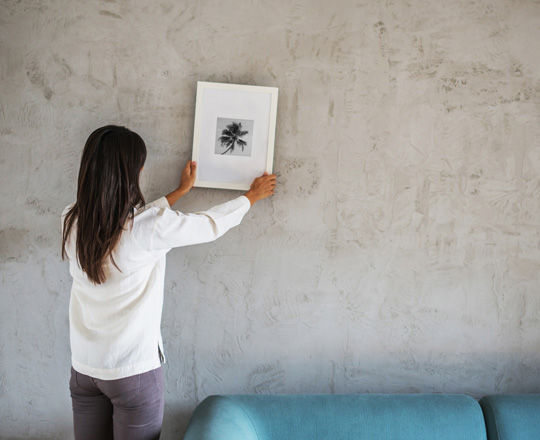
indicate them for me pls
(233, 134)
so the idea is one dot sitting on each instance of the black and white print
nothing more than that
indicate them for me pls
(234, 137)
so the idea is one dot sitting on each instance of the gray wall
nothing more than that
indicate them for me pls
(401, 252)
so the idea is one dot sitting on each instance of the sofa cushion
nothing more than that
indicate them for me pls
(218, 417)
(512, 416)
(339, 417)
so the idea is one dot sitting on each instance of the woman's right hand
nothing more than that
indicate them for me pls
(261, 188)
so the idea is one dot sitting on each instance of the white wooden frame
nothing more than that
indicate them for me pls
(201, 87)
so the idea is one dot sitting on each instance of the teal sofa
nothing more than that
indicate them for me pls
(512, 417)
(337, 417)
(365, 416)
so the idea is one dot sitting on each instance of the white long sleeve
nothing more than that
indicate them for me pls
(115, 327)
(163, 228)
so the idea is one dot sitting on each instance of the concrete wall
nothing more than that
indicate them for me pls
(401, 252)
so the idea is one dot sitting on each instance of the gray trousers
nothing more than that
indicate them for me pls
(127, 408)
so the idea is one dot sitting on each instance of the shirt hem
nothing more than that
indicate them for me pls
(115, 373)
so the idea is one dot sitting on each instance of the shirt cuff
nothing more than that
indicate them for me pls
(162, 202)
(246, 200)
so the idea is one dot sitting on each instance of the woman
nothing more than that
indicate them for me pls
(116, 246)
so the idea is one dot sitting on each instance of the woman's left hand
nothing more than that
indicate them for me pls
(189, 174)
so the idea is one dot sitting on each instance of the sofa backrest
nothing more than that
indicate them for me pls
(512, 417)
(338, 417)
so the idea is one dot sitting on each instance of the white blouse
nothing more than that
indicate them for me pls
(115, 327)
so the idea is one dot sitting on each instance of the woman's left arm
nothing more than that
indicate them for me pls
(187, 180)
(173, 196)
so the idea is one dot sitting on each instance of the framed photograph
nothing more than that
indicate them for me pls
(233, 135)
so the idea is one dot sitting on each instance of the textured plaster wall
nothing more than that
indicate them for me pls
(401, 252)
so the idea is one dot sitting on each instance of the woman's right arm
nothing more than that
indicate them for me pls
(261, 188)
(167, 228)
(164, 228)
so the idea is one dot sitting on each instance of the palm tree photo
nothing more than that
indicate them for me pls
(231, 136)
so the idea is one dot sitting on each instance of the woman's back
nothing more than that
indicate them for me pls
(115, 326)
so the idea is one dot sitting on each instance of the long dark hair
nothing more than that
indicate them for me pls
(107, 193)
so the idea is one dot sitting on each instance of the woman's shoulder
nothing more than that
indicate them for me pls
(162, 202)
(63, 215)
(66, 209)
(144, 221)
(147, 214)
